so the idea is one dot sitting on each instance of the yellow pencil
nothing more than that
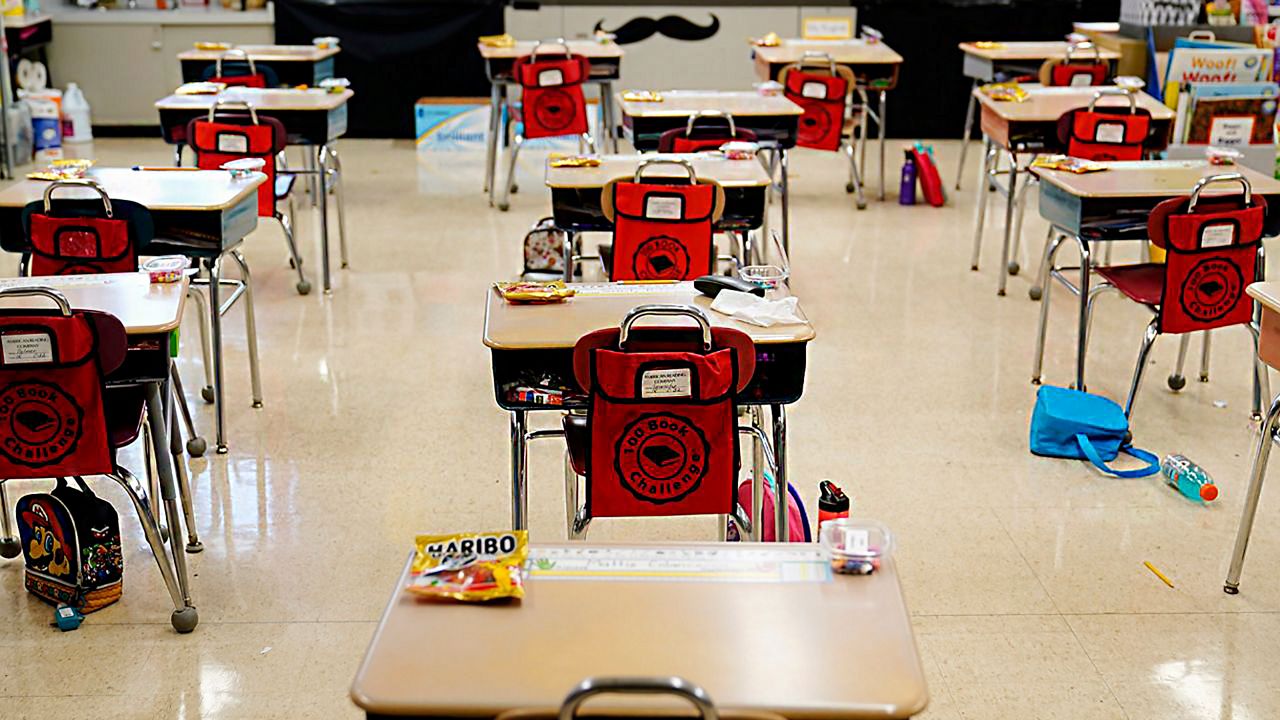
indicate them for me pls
(1158, 574)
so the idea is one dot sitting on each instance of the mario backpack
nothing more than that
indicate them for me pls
(71, 547)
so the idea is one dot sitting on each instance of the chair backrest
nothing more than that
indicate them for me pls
(822, 89)
(706, 130)
(52, 365)
(241, 71)
(225, 135)
(552, 103)
(1212, 247)
(84, 237)
(1105, 132)
(662, 418)
(1070, 70)
(662, 230)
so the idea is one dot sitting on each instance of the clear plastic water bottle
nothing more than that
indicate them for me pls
(1188, 478)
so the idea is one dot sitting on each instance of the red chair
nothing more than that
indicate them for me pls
(1066, 71)
(660, 437)
(1213, 253)
(242, 73)
(58, 418)
(824, 90)
(662, 228)
(225, 136)
(697, 137)
(551, 102)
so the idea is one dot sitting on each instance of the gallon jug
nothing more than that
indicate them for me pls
(76, 124)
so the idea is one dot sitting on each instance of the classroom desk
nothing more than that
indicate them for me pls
(1029, 127)
(1267, 295)
(293, 64)
(986, 64)
(874, 64)
(605, 60)
(203, 214)
(1114, 205)
(576, 191)
(532, 346)
(310, 117)
(713, 633)
(149, 313)
(774, 119)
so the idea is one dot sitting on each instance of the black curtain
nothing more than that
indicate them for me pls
(396, 52)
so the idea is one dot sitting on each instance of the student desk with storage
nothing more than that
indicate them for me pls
(605, 59)
(1029, 127)
(532, 349)
(985, 62)
(203, 214)
(576, 192)
(874, 64)
(773, 118)
(150, 313)
(311, 117)
(292, 64)
(1114, 205)
(763, 640)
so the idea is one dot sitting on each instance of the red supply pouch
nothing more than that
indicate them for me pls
(80, 245)
(552, 100)
(662, 231)
(823, 99)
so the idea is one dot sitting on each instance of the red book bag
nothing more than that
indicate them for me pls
(222, 137)
(1212, 257)
(241, 73)
(823, 94)
(662, 418)
(1105, 133)
(662, 231)
(698, 136)
(552, 103)
(79, 244)
(1063, 72)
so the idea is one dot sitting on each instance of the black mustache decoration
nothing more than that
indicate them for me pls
(673, 26)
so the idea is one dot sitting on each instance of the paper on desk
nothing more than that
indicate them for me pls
(757, 310)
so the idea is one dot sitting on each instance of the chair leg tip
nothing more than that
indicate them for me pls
(196, 447)
(973, 268)
(999, 293)
(9, 548)
(257, 405)
(185, 620)
(222, 449)
(194, 548)
(1231, 589)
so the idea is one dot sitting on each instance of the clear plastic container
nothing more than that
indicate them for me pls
(856, 546)
(768, 277)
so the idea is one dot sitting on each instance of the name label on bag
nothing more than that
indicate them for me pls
(1218, 235)
(1109, 133)
(1081, 80)
(550, 77)
(670, 383)
(664, 208)
(233, 143)
(24, 348)
(815, 90)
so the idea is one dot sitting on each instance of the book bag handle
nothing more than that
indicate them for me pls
(84, 487)
(690, 311)
(78, 182)
(811, 57)
(673, 686)
(1073, 47)
(1152, 467)
(1133, 104)
(226, 104)
(240, 52)
(1221, 178)
(688, 167)
(727, 117)
(533, 55)
(42, 291)
(1202, 35)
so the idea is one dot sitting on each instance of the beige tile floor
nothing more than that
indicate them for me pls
(1024, 574)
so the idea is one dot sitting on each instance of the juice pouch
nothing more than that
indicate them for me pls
(470, 567)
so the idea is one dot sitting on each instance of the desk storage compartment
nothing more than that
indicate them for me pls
(1269, 338)
(578, 209)
(777, 129)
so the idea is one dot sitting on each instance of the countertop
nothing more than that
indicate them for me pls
(184, 16)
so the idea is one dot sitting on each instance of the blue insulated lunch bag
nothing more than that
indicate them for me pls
(1072, 424)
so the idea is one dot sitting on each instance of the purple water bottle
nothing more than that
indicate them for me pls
(907, 189)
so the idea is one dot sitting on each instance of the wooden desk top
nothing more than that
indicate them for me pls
(265, 53)
(143, 307)
(163, 190)
(17, 22)
(729, 173)
(268, 99)
(586, 48)
(844, 52)
(1047, 104)
(683, 103)
(1153, 178)
(533, 327)
(808, 650)
(1035, 50)
(1266, 293)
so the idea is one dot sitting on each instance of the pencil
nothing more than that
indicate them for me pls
(163, 168)
(1158, 574)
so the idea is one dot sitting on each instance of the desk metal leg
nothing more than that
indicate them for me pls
(1259, 470)
(968, 128)
(519, 471)
(250, 328)
(323, 204)
(786, 200)
(1010, 201)
(339, 195)
(607, 126)
(202, 316)
(491, 142)
(214, 266)
(172, 399)
(986, 183)
(781, 495)
(757, 476)
(863, 127)
(184, 616)
(881, 116)
(1082, 332)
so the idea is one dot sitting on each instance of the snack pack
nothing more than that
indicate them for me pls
(642, 96)
(1067, 163)
(1005, 92)
(534, 293)
(470, 567)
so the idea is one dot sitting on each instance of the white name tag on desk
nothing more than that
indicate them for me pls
(669, 383)
(24, 348)
(1231, 131)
